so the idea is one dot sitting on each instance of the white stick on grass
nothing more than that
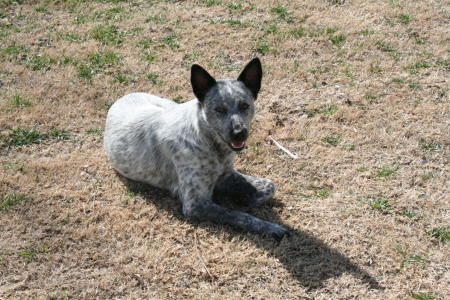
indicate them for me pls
(293, 156)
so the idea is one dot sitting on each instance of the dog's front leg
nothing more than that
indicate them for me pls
(205, 209)
(196, 191)
(248, 190)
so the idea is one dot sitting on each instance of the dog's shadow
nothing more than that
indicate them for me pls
(306, 257)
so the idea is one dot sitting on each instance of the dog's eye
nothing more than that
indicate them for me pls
(243, 105)
(220, 109)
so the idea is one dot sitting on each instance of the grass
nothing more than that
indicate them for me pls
(386, 171)
(405, 19)
(150, 58)
(338, 40)
(116, 14)
(20, 101)
(423, 296)
(94, 131)
(429, 145)
(323, 193)
(107, 34)
(332, 140)
(97, 63)
(59, 134)
(172, 41)
(297, 32)
(38, 62)
(383, 46)
(382, 205)
(154, 79)
(11, 200)
(283, 14)
(440, 233)
(33, 252)
(356, 91)
(14, 49)
(262, 46)
(410, 259)
(411, 214)
(23, 136)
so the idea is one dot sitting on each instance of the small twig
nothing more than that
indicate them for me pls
(200, 256)
(293, 156)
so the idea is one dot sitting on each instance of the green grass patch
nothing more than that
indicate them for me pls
(297, 32)
(116, 14)
(323, 193)
(383, 46)
(423, 296)
(328, 110)
(429, 176)
(33, 252)
(283, 14)
(443, 64)
(430, 145)
(332, 140)
(410, 214)
(107, 34)
(157, 19)
(154, 79)
(324, 110)
(37, 62)
(147, 43)
(14, 49)
(367, 32)
(71, 37)
(17, 166)
(338, 40)
(23, 136)
(94, 131)
(42, 9)
(440, 233)
(414, 86)
(60, 134)
(20, 101)
(150, 58)
(262, 46)
(375, 68)
(405, 19)
(172, 41)
(370, 96)
(96, 63)
(350, 147)
(386, 171)
(380, 204)
(9, 201)
(399, 80)
(410, 259)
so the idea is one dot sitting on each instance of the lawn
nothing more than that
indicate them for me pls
(358, 90)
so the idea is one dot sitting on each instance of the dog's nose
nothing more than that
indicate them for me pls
(240, 134)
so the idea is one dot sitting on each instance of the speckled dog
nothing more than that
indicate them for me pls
(189, 149)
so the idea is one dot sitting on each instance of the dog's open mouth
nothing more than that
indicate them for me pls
(238, 146)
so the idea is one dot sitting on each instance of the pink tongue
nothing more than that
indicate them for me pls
(237, 145)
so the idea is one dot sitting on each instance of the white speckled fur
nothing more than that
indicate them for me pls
(189, 148)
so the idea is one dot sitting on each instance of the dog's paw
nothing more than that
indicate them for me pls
(265, 189)
(278, 232)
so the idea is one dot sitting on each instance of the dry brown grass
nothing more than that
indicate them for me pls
(358, 89)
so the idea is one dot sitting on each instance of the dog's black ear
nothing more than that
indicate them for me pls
(251, 76)
(201, 82)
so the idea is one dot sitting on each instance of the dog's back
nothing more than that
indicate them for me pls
(136, 127)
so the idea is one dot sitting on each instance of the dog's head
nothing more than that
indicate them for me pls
(228, 105)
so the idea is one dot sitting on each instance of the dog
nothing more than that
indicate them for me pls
(189, 149)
